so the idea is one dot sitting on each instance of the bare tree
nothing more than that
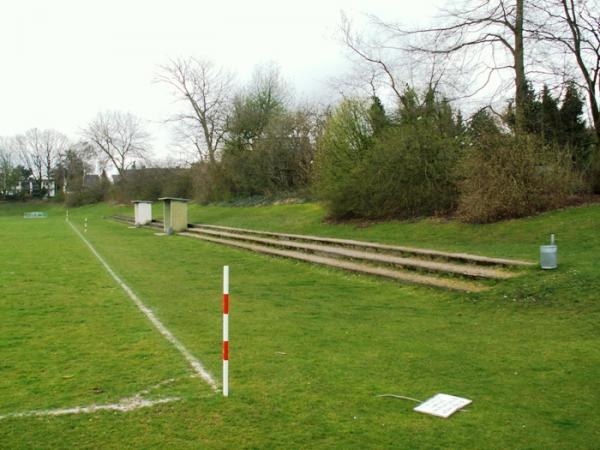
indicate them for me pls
(40, 151)
(54, 144)
(384, 65)
(574, 26)
(478, 36)
(266, 97)
(7, 179)
(31, 153)
(118, 138)
(207, 92)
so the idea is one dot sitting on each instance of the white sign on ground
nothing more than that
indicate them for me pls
(442, 405)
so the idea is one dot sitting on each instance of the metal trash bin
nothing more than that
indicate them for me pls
(548, 253)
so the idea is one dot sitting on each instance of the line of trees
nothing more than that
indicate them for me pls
(45, 163)
(396, 145)
(30, 157)
(422, 159)
(475, 42)
(533, 154)
(249, 141)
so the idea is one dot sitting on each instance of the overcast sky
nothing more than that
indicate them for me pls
(63, 61)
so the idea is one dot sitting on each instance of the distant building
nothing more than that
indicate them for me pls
(91, 180)
(30, 186)
(50, 187)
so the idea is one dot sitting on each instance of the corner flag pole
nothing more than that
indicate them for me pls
(225, 331)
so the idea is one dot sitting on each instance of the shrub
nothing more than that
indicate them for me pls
(345, 142)
(405, 170)
(410, 172)
(592, 173)
(177, 183)
(507, 176)
(150, 183)
(79, 195)
(274, 159)
(84, 196)
(209, 182)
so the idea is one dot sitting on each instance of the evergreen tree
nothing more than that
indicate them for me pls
(409, 108)
(482, 123)
(532, 112)
(460, 122)
(104, 184)
(549, 118)
(437, 113)
(573, 130)
(379, 120)
(445, 119)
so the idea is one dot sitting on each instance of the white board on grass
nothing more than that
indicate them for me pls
(442, 405)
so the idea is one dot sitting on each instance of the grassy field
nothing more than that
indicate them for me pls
(311, 347)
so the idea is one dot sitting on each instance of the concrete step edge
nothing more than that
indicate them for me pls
(408, 277)
(432, 266)
(478, 259)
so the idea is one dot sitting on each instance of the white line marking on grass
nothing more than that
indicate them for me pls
(195, 363)
(124, 405)
(157, 386)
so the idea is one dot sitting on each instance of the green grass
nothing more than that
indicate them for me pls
(527, 351)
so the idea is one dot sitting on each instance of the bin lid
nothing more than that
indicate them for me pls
(173, 199)
(142, 201)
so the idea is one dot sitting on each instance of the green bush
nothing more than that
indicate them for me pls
(505, 176)
(341, 149)
(177, 183)
(209, 182)
(275, 158)
(79, 195)
(405, 170)
(410, 172)
(150, 183)
(592, 172)
(86, 196)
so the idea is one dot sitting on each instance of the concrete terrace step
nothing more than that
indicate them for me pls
(413, 263)
(130, 221)
(465, 257)
(404, 276)
(358, 256)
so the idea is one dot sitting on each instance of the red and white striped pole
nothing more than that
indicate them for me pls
(225, 331)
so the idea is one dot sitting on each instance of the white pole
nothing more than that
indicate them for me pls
(225, 331)
(67, 219)
(85, 226)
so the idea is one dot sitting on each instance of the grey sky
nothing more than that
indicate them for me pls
(63, 61)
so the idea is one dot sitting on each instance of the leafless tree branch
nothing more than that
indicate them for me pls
(207, 92)
(118, 138)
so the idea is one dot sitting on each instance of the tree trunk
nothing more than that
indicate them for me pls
(595, 117)
(520, 80)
